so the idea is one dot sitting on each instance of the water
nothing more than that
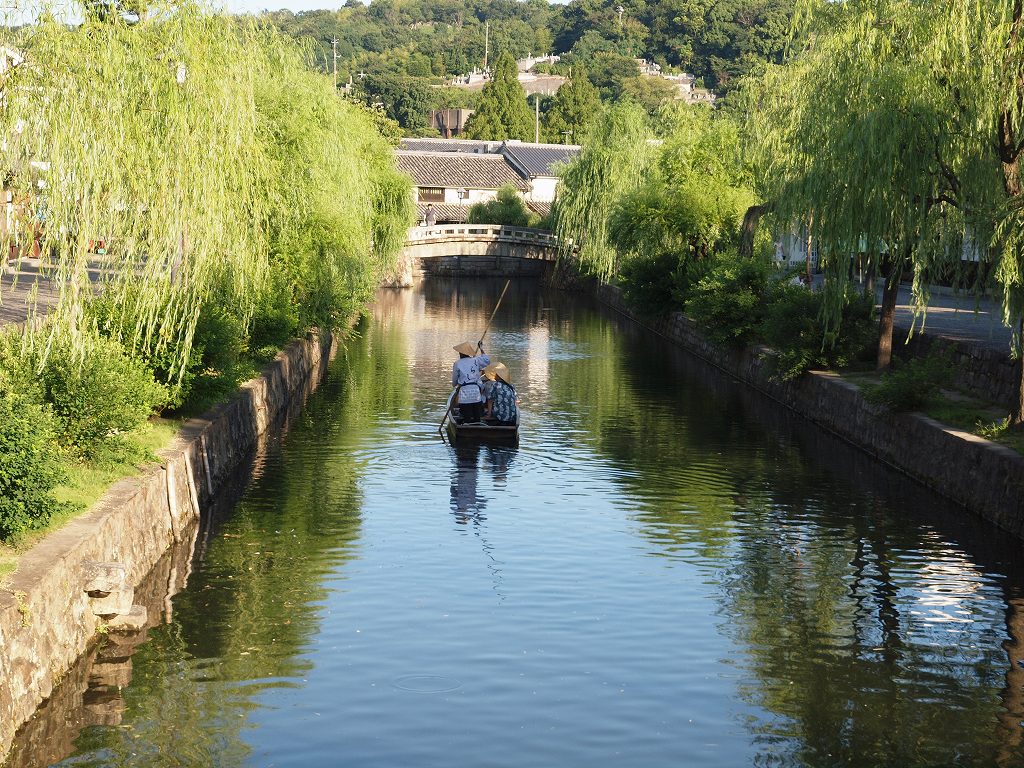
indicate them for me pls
(668, 570)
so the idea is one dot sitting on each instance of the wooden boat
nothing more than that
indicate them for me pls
(483, 431)
(480, 430)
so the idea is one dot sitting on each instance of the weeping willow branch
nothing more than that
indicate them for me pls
(206, 155)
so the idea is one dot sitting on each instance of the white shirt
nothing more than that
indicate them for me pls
(466, 372)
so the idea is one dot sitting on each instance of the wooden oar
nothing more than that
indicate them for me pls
(448, 410)
(487, 327)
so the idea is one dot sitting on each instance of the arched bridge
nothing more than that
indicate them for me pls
(477, 250)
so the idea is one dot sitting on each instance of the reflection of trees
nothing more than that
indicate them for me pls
(865, 639)
(659, 434)
(851, 645)
(253, 604)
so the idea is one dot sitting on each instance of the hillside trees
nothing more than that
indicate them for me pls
(572, 109)
(502, 112)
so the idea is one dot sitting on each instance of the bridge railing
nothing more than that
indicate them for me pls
(493, 231)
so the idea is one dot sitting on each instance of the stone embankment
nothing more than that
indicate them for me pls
(982, 476)
(80, 583)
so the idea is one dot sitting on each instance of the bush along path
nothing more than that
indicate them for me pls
(222, 231)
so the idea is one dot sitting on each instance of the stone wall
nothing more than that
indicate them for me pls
(982, 476)
(990, 374)
(48, 620)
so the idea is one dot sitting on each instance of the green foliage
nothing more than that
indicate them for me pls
(911, 384)
(730, 301)
(654, 284)
(98, 394)
(649, 92)
(230, 171)
(615, 156)
(29, 468)
(502, 112)
(406, 100)
(507, 208)
(795, 329)
(572, 109)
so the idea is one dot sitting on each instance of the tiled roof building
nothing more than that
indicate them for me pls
(460, 170)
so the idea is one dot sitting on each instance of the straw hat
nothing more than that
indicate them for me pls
(499, 370)
(465, 348)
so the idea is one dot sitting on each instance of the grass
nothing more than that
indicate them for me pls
(962, 412)
(976, 417)
(87, 481)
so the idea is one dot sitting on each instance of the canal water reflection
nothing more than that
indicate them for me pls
(668, 570)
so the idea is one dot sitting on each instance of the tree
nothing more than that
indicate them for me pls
(864, 141)
(573, 107)
(615, 158)
(649, 92)
(406, 100)
(507, 208)
(503, 112)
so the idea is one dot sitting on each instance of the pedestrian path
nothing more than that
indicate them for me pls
(961, 318)
(17, 286)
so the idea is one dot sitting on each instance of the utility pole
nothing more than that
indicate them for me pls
(536, 118)
(334, 53)
(487, 40)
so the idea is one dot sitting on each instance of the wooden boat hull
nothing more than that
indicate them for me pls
(482, 432)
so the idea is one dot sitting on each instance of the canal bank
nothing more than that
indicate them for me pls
(79, 583)
(982, 476)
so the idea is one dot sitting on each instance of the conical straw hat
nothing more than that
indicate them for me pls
(500, 370)
(465, 348)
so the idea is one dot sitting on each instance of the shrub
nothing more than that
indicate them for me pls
(98, 394)
(29, 466)
(729, 301)
(912, 384)
(793, 327)
(508, 208)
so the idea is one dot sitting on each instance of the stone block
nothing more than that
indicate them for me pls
(102, 707)
(114, 603)
(111, 674)
(131, 621)
(103, 578)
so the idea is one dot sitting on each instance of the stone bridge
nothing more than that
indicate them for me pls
(478, 250)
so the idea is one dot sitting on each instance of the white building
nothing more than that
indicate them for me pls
(453, 174)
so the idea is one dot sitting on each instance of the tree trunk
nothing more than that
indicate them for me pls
(749, 228)
(890, 293)
(1017, 417)
(810, 225)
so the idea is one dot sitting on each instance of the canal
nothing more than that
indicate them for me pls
(669, 570)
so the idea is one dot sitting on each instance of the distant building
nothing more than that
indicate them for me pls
(450, 122)
(684, 83)
(546, 85)
(454, 174)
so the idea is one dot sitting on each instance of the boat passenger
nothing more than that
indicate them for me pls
(466, 376)
(503, 405)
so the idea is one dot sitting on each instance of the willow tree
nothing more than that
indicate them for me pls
(616, 153)
(863, 141)
(213, 161)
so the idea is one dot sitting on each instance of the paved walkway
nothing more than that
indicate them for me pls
(963, 318)
(16, 288)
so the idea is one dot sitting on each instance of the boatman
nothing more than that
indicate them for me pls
(466, 376)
